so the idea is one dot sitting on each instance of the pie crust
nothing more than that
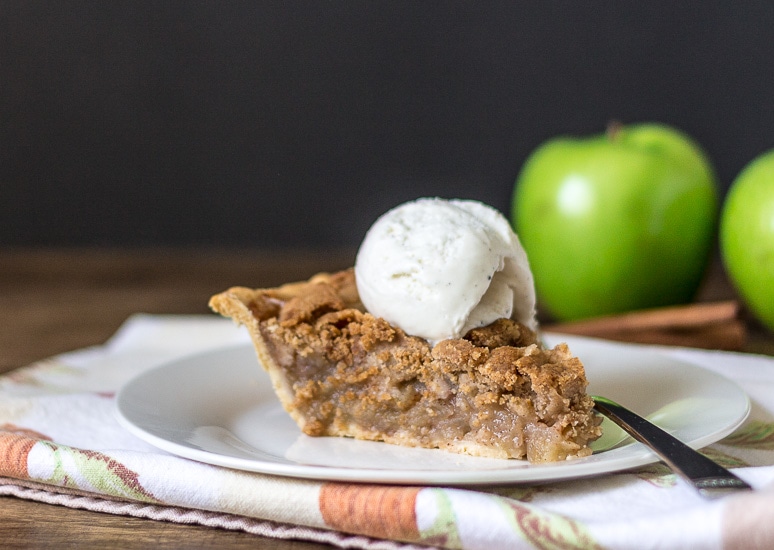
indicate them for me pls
(340, 371)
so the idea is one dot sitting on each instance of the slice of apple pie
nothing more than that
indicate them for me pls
(340, 371)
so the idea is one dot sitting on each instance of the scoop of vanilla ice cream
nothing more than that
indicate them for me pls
(437, 268)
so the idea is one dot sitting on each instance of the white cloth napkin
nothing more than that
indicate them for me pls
(60, 443)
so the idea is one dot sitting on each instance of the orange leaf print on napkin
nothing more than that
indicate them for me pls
(14, 449)
(373, 510)
(15, 445)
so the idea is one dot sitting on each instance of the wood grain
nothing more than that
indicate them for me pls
(27, 524)
(58, 300)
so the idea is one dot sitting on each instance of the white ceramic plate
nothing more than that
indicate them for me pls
(219, 408)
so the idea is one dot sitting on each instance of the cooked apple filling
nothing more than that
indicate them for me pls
(340, 371)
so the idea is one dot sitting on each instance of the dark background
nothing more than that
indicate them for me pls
(276, 124)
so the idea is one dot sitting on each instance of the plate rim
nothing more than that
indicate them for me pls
(636, 454)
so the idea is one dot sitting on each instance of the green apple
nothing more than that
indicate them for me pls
(618, 221)
(747, 236)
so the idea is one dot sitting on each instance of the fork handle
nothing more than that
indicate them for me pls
(709, 477)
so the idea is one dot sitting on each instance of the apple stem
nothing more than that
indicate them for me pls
(614, 128)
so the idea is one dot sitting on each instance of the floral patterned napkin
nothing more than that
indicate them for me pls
(60, 443)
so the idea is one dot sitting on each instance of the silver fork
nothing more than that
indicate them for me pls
(709, 478)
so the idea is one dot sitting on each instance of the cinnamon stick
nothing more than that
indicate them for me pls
(703, 325)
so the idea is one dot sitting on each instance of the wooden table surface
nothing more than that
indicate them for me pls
(53, 301)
